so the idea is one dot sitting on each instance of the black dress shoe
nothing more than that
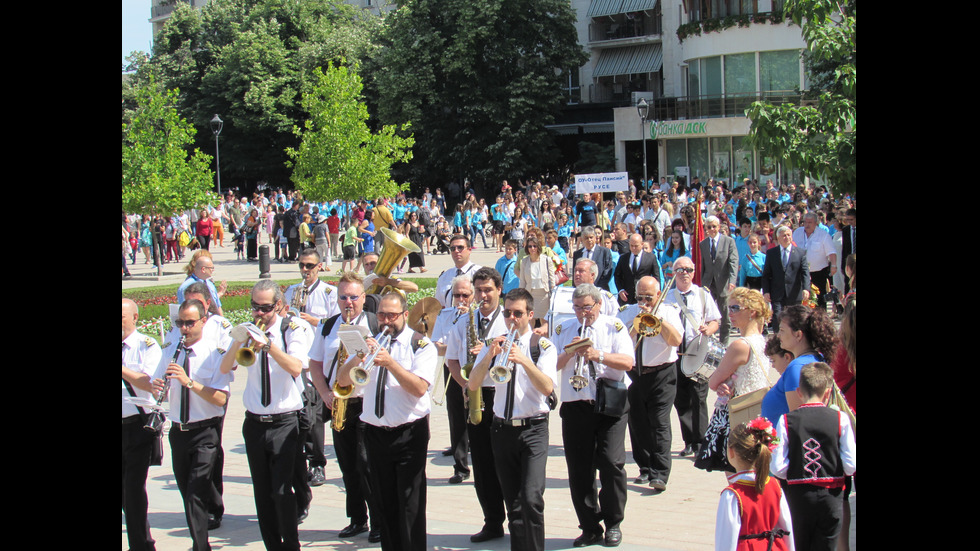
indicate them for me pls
(447, 452)
(214, 522)
(353, 530)
(302, 516)
(644, 478)
(486, 535)
(318, 478)
(688, 450)
(458, 478)
(658, 484)
(375, 535)
(613, 537)
(587, 539)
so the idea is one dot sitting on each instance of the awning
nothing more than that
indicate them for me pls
(629, 61)
(587, 128)
(599, 8)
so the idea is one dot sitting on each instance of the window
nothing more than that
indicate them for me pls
(779, 70)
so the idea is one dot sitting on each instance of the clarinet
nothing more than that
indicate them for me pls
(156, 419)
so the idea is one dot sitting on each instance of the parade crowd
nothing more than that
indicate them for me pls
(676, 290)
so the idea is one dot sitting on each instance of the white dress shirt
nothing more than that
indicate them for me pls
(444, 285)
(141, 354)
(456, 346)
(321, 302)
(819, 246)
(400, 406)
(286, 395)
(655, 350)
(528, 401)
(609, 335)
(203, 366)
(701, 312)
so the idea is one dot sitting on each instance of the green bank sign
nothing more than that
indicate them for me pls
(681, 128)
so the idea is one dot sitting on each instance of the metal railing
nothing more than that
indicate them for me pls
(616, 30)
(695, 107)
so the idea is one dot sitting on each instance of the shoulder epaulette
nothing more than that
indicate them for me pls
(327, 290)
(619, 325)
(544, 343)
(293, 326)
(558, 329)
(225, 324)
(623, 307)
(221, 350)
(149, 342)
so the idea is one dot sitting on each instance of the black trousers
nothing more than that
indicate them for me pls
(217, 507)
(692, 407)
(316, 438)
(816, 516)
(521, 455)
(271, 448)
(137, 445)
(348, 444)
(301, 481)
(819, 278)
(193, 453)
(458, 437)
(651, 398)
(593, 441)
(397, 456)
(488, 491)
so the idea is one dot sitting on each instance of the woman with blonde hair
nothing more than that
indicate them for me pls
(743, 369)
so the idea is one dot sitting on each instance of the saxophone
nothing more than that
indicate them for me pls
(474, 398)
(299, 300)
(340, 393)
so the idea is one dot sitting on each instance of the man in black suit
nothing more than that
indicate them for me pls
(785, 275)
(631, 267)
(848, 243)
(598, 254)
(719, 269)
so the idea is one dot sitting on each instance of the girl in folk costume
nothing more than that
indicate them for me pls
(753, 513)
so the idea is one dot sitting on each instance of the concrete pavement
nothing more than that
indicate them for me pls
(681, 518)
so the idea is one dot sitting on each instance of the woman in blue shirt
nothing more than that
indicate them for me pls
(750, 271)
(675, 250)
(807, 333)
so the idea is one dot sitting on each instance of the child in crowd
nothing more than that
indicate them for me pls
(816, 450)
(240, 245)
(283, 245)
(752, 511)
(778, 356)
(350, 241)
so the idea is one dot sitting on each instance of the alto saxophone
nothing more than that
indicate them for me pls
(474, 397)
(340, 393)
(300, 297)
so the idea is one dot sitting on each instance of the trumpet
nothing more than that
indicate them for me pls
(361, 375)
(155, 420)
(579, 380)
(246, 354)
(502, 371)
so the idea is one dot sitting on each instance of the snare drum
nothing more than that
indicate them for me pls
(703, 358)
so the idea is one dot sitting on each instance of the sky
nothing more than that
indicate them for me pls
(137, 33)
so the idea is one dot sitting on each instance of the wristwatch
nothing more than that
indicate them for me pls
(601, 357)
(190, 384)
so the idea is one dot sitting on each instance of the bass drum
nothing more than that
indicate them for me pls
(702, 358)
(561, 309)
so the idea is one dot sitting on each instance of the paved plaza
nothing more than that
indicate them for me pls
(681, 518)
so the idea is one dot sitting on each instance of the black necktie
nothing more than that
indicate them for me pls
(379, 394)
(483, 326)
(636, 263)
(713, 250)
(683, 345)
(185, 393)
(459, 271)
(266, 378)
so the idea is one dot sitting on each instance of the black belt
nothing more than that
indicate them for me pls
(196, 424)
(402, 426)
(132, 419)
(656, 368)
(525, 422)
(271, 417)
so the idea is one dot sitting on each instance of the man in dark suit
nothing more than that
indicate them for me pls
(598, 254)
(848, 242)
(719, 269)
(785, 275)
(631, 267)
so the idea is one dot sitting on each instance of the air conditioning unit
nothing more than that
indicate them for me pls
(645, 95)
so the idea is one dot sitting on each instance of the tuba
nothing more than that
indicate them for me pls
(246, 354)
(394, 250)
(474, 398)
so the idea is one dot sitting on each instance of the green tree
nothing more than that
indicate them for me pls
(339, 157)
(248, 61)
(819, 136)
(158, 173)
(478, 81)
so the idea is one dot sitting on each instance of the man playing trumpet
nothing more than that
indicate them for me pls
(273, 404)
(519, 431)
(396, 431)
(654, 385)
(594, 440)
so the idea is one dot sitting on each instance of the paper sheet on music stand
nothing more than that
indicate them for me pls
(353, 339)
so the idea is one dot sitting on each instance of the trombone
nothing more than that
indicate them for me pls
(649, 324)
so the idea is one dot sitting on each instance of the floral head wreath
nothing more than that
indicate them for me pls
(764, 432)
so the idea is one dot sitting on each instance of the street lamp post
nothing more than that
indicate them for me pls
(643, 109)
(216, 125)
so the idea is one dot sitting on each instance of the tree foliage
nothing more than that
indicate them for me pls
(819, 136)
(339, 157)
(158, 173)
(248, 60)
(478, 81)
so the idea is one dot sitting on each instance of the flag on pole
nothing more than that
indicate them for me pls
(697, 235)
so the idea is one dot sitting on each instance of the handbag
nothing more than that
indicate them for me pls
(153, 423)
(611, 398)
(746, 407)
(838, 402)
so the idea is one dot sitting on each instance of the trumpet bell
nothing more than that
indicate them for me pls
(578, 382)
(647, 325)
(245, 357)
(360, 376)
(501, 375)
